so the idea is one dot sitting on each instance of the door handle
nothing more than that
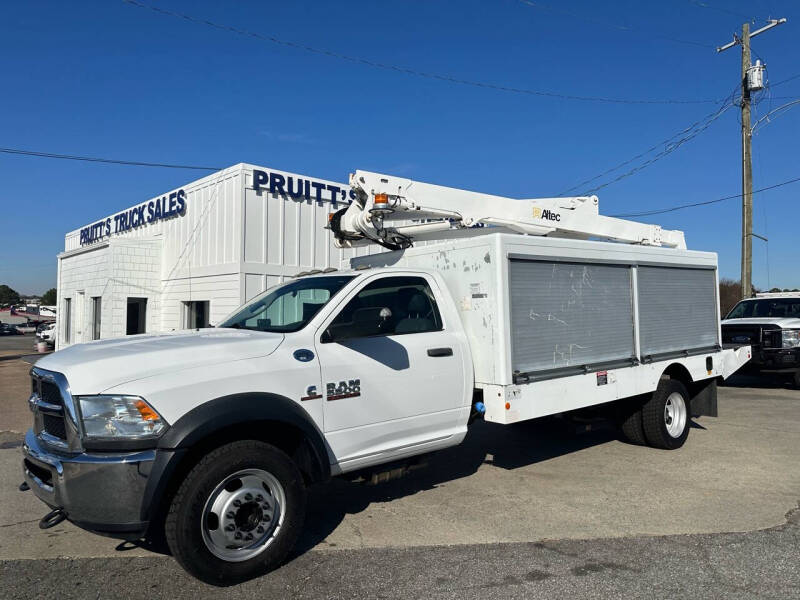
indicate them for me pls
(440, 352)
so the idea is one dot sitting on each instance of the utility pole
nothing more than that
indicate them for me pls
(747, 172)
(747, 155)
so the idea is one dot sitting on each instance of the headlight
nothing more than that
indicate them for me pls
(790, 338)
(113, 417)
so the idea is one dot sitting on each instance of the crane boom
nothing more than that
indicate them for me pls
(395, 212)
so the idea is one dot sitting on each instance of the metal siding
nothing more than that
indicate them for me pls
(677, 309)
(569, 314)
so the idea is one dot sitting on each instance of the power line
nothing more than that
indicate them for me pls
(667, 151)
(707, 119)
(718, 9)
(782, 81)
(707, 202)
(609, 24)
(406, 70)
(112, 161)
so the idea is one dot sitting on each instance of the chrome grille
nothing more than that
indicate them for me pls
(51, 394)
(54, 425)
(55, 420)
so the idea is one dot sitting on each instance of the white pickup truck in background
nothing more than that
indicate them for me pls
(214, 434)
(770, 324)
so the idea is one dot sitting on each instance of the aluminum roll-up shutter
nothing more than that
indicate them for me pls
(569, 315)
(677, 309)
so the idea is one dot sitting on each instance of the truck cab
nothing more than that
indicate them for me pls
(310, 379)
(770, 324)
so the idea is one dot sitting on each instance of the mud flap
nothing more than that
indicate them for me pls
(704, 398)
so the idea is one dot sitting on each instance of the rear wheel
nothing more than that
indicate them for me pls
(237, 514)
(629, 419)
(666, 417)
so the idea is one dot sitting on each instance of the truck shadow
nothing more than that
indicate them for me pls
(775, 381)
(503, 446)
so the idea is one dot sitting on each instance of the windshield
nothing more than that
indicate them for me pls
(766, 307)
(288, 307)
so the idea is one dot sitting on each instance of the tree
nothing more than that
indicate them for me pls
(729, 294)
(8, 296)
(49, 297)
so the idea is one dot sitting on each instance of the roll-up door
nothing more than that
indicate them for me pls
(567, 315)
(677, 309)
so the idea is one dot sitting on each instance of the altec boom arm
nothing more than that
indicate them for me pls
(395, 212)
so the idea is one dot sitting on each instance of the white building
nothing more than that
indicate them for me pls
(190, 256)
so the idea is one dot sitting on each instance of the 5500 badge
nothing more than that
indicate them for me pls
(343, 389)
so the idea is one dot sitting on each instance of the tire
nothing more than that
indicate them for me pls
(797, 379)
(221, 498)
(666, 416)
(629, 419)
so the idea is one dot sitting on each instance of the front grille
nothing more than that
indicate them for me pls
(49, 419)
(51, 394)
(746, 335)
(771, 338)
(54, 425)
(757, 336)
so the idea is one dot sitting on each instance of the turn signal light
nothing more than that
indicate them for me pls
(381, 198)
(148, 414)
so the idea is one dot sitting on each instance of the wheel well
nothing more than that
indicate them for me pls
(285, 436)
(679, 372)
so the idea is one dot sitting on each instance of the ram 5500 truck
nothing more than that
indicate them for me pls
(213, 435)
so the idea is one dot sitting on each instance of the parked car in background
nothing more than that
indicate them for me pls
(6, 329)
(770, 324)
(29, 327)
(47, 333)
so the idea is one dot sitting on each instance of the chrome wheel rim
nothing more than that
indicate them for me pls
(243, 515)
(675, 414)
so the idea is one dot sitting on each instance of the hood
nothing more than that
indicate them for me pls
(782, 322)
(93, 367)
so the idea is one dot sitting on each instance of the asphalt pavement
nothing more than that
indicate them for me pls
(531, 510)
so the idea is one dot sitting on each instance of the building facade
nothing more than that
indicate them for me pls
(191, 256)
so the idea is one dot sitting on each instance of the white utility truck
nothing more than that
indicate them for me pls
(517, 312)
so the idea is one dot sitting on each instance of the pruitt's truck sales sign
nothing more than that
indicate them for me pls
(166, 207)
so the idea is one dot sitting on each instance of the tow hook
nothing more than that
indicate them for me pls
(24, 487)
(53, 518)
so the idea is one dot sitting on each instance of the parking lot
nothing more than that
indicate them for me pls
(17, 344)
(535, 509)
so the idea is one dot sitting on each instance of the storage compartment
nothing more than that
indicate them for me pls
(567, 314)
(677, 309)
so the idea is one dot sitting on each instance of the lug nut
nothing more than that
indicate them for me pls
(265, 519)
(259, 529)
(229, 527)
(259, 498)
(237, 502)
(248, 497)
(248, 537)
(230, 514)
(238, 535)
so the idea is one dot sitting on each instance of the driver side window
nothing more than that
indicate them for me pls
(388, 306)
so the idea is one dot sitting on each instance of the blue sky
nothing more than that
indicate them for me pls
(114, 80)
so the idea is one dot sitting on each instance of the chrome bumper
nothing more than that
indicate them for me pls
(102, 492)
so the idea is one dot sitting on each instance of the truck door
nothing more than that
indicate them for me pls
(392, 372)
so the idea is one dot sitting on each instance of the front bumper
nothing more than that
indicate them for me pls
(101, 492)
(784, 359)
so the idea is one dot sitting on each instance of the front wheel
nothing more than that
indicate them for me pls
(237, 513)
(666, 416)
